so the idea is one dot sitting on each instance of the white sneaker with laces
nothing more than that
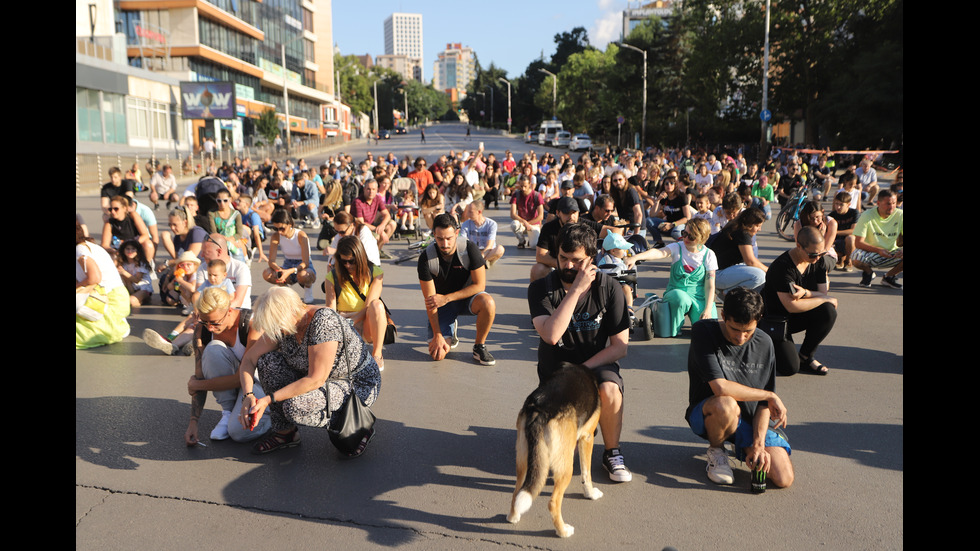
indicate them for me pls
(220, 431)
(719, 470)
(612, 460)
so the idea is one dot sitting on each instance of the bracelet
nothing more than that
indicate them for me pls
(248, 393)
(272, 396)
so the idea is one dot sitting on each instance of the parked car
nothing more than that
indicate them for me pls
(547, 131)
(531, 136)
(561, 139)
(579, 142)
(401, 130)
(385, 134)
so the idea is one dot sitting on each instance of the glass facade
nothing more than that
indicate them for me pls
(92, 108)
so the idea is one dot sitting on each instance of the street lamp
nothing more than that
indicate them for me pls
(554, 93)
(491, 104)
(507, 82)
(643, 138)
(285, 90)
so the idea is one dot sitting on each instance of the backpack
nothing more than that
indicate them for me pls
(432, 254)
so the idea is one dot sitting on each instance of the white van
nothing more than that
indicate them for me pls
(547, 132)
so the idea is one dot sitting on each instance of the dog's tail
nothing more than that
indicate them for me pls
(537, 460)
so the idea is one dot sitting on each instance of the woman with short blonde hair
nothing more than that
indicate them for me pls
(310, 360)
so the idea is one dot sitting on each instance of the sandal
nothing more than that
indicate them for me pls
(276, 441)
(363, 445)
(813, 367)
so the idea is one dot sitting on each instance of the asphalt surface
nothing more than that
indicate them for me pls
(440, 472)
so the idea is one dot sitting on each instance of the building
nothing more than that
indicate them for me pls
(131, 56)
(409, 67)
(454, 70)
(632, 17)
(403, 37)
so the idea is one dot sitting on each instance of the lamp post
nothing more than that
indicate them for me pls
(507, 82)
(554, 93)
(765, 89)
(643, 138)
(491, 104)
(285, 91)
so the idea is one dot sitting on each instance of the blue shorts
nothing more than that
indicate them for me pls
(448, 314)
(292, 263)
(743, 433)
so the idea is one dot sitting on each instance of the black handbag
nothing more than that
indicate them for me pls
(352, 423)
(775, 327)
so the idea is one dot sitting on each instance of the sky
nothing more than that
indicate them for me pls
(509, 33)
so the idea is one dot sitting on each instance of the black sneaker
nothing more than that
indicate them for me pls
(866, 279)
(890, 281)
(482, 355)
(612, 460)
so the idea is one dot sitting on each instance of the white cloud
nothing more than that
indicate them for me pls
(609, 26)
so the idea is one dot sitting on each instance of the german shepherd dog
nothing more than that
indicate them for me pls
(562, 412)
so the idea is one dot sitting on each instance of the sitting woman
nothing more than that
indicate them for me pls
(227, 221)
(796, 289)
(123, 226)
(738, 266)
(433, 204)
(346, 224)
(691, 287)
(812, 215)
(310, 360)
(186, 237)
(134, 269)
(297, 266)
(96, 272)
(353, 289)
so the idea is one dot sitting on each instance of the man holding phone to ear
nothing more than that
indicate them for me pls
(581, 316)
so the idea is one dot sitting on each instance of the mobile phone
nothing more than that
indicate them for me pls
(481, 145)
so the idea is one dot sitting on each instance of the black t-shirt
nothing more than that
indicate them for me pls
(674, 208)
(789, 184)
(726, 248)
(781, 273)
(110, 191)
(452, 276)
(548, 238)
(845, 221)
(624, 204)
(599, 315)
(711, 356)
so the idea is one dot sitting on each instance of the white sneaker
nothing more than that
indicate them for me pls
(308, 295)
(154, 340)
(719, 470)
(220, 431)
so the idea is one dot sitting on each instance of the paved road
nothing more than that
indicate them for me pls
(440, 473)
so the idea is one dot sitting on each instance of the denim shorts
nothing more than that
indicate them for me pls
(743, 433)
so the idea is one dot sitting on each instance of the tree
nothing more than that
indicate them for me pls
(268, 125)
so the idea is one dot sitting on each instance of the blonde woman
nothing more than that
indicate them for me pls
(310, 360)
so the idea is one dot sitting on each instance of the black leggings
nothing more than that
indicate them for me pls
(817, 323)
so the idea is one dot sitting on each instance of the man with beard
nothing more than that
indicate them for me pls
(453, 277)
(581, 316)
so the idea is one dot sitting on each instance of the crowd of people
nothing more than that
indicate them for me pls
(581, 216)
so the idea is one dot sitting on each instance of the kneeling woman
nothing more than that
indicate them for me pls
(297, 266)
(353, 289)
(691, 287)
(309, 360)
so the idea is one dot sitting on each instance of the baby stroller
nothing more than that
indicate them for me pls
(399, 187)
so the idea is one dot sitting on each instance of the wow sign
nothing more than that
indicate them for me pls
(207, 100)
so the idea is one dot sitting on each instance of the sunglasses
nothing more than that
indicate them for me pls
(815, 255)
(346, 261)
(215, 323)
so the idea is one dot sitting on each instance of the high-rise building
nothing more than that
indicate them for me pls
(403, 36)
(454, 70)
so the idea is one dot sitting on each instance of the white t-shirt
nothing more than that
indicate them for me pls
(110, 275)
(369, 242)
(239, 275)
(704, 256)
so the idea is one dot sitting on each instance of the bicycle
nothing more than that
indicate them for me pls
(790, 212)
(414, 249)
